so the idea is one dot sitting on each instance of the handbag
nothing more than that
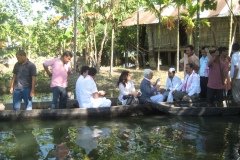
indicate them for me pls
(131, 100)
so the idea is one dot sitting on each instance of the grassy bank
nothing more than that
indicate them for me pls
(104, 81)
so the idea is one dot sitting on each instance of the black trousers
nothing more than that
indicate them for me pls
(203, 85)
(214, 95)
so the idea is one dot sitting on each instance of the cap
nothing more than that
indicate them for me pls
(172, 69)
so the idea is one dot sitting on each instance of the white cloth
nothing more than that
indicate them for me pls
(191, 84)
(157, 98)
(125, 90)
(235, 61)
(85, 87)
(173, 84)
(203, 68)
(170, 97)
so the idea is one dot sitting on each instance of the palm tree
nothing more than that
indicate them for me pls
(191, 24)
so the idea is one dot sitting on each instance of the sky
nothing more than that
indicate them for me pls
(33, 10)
(36, 8)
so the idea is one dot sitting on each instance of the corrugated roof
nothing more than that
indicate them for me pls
(148, 17)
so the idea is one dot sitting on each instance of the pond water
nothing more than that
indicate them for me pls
(135, 138)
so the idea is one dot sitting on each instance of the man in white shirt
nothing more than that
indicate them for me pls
(88, 95)
(83, 74)
(190, 87)
(235, 74)
(173, 83)
(203, 71)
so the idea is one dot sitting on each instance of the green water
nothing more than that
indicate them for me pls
(135, 138)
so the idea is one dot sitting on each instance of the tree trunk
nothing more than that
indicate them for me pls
(159, 39)
(197, 34)
(178, 40)
(95, 47)
(142, 44)
(98, 65)
(112, 50)
(75, 37)
(230, 29)
(190, 37)
(151, 58)
(92, 58)
(137, 62)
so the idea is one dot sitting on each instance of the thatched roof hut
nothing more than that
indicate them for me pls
(217, 34)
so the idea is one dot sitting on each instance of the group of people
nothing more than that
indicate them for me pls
(22, 84)
(152, 92)
(207, 77)
(218, 73)
(212, 77)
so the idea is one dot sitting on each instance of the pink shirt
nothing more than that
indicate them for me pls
(59, 72)
(214, 77)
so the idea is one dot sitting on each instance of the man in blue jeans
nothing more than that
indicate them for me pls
(60, 69)
(22, 85)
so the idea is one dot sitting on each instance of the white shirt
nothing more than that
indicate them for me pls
(235, 61)
(85, 87)
(129, 88)
(203, 70)
(191, 84)
(173, 84)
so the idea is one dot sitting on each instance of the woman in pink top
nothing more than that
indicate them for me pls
(217, 78)
(60, 69)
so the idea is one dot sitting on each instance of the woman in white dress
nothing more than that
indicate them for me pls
(126, 87)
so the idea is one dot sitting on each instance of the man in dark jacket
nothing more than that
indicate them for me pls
(150, 92)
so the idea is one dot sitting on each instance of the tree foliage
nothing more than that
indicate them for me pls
(44, 34)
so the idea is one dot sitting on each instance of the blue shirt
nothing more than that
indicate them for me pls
(203, 70)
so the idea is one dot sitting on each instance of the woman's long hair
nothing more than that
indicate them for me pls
(123, 78)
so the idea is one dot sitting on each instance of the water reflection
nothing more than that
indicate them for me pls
(156, 137)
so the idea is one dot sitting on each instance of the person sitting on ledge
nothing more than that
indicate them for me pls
(150, 93)
(173, 83)
(126, 87)
(88, 94)
(82, 76)
(190, 88)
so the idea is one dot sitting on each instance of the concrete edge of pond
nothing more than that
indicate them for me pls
(41, 111)
(197, 109)
(79, 113)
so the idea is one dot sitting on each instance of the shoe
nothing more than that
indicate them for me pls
(29, 106)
